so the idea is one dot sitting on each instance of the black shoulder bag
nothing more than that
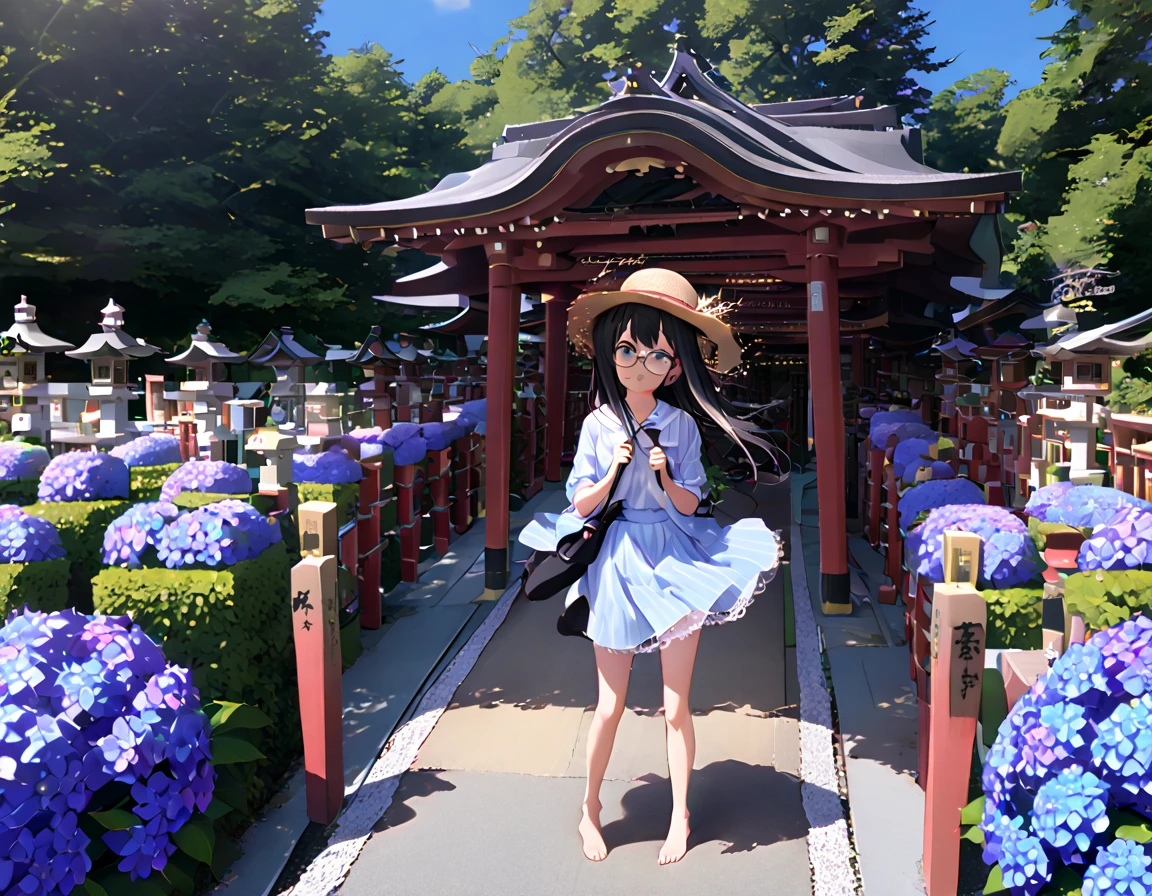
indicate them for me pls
(549, 573)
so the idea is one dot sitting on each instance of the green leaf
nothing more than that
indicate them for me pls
(116, 819)
(197, 838)
(995, 882)
(227, 750)
(94, 889)
(1141, 833)
(180, 879)
(217, 809)
(973, 812)
(238, 715)
(974, 834)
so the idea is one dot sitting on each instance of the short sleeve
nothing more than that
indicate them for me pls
(688, 465)
(585, 465)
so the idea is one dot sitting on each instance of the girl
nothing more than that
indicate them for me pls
(663, 572)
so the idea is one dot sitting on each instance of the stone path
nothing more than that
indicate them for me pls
(491, 802)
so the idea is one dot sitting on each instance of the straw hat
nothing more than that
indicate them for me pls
(663, 289)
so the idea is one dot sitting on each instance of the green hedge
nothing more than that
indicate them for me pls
(193, 500)
(1014, 618)
(144, 483)
(345, 496)
(39, 586)
(1040, 531)
(1106, 598)
(19, 491)
(233, 628)
(81, 525)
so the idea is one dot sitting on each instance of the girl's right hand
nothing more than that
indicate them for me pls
(622, 455)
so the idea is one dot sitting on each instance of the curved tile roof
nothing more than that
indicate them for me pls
(816, 148)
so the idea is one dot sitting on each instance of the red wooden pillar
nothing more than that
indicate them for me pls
(189, 450)
(875, 493)
(556, 302)
(368, 544)
(462, 505)
(408, 521)
(503, 338)
(440, 484)
(824, 242)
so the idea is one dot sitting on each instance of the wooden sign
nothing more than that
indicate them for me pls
(967, 670)
(316, 634)
(962, 558)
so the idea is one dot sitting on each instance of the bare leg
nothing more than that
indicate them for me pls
(676, 661)
(612, 670)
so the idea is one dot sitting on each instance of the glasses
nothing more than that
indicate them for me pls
(657, 362)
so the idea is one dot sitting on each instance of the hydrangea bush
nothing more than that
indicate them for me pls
(1009, 557)
(27, 539)
(152, 450)
(878, 434)
(20, 460)
(213, 476)
(1072, 755)
(83, 476)
(1124, 542)
(900, 415)
(1080, 506)
(937, 493)
(95, 726)
(331, 467)
(220, 534)
(407, 445)
(130, 538)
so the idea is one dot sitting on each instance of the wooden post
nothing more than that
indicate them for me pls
(959, 618)
(503, 327)
(407, 522)
(556, 302)
(828, 414)
(188, 447)
(875, 493)
(316, 631)
(440, 484)
(462, 503)
(368, 543)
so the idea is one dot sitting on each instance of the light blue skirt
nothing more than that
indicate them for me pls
(654, 582)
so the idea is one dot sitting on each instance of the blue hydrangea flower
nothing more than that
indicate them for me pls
(132, 536)
(1083, 506)
(1121, 869)
(208, 476)
(19, 460)
(83, 476)
(878, 434)
(937, 493)
(1009, 557)
(407, 444)
(890, 418)
(27, 539)
(85, 702)
(220, 534)
(1041, 501)
(330, 467)
(1071, 813)
(152, 450)
(1023, 863)
(1123, 542)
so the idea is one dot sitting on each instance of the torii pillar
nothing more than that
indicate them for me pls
(557, 300)
(823, 248)
(503, 342)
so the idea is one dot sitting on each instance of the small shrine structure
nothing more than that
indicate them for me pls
(23, 379)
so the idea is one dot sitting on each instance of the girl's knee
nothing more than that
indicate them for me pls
(677, 715)
(610, 711)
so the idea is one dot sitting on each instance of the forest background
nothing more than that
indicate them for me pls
(163, 151)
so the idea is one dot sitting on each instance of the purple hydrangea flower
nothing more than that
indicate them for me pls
(1123, 542)
(331, 467)
(891, 418)
(937, 493)
(152, 450)
(27, 539)
(437, 436)
(219, 534)
(19, 460)
(83, 476)
(878, 434)
(130, 536)
(476, 410)
(1121, 869)
(1122, 750)
(1045, 498)
(1024, 863)
(1009, 557)
(86, 701)
(1071, 814)
(209, 476)
(1082, 506)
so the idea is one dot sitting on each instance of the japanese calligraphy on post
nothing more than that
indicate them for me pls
(967, 669)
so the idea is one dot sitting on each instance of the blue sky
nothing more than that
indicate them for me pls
(429, 34)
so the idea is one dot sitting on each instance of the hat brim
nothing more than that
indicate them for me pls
(589, 306)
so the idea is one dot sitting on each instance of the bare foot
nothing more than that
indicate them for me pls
(677, 843)
(594, 846)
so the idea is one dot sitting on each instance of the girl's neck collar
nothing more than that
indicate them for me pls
(658, 417)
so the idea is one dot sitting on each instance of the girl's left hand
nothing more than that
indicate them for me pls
(657, 459)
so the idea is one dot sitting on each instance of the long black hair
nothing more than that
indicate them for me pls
(694, 391)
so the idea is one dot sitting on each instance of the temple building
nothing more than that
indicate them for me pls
(23, 379)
